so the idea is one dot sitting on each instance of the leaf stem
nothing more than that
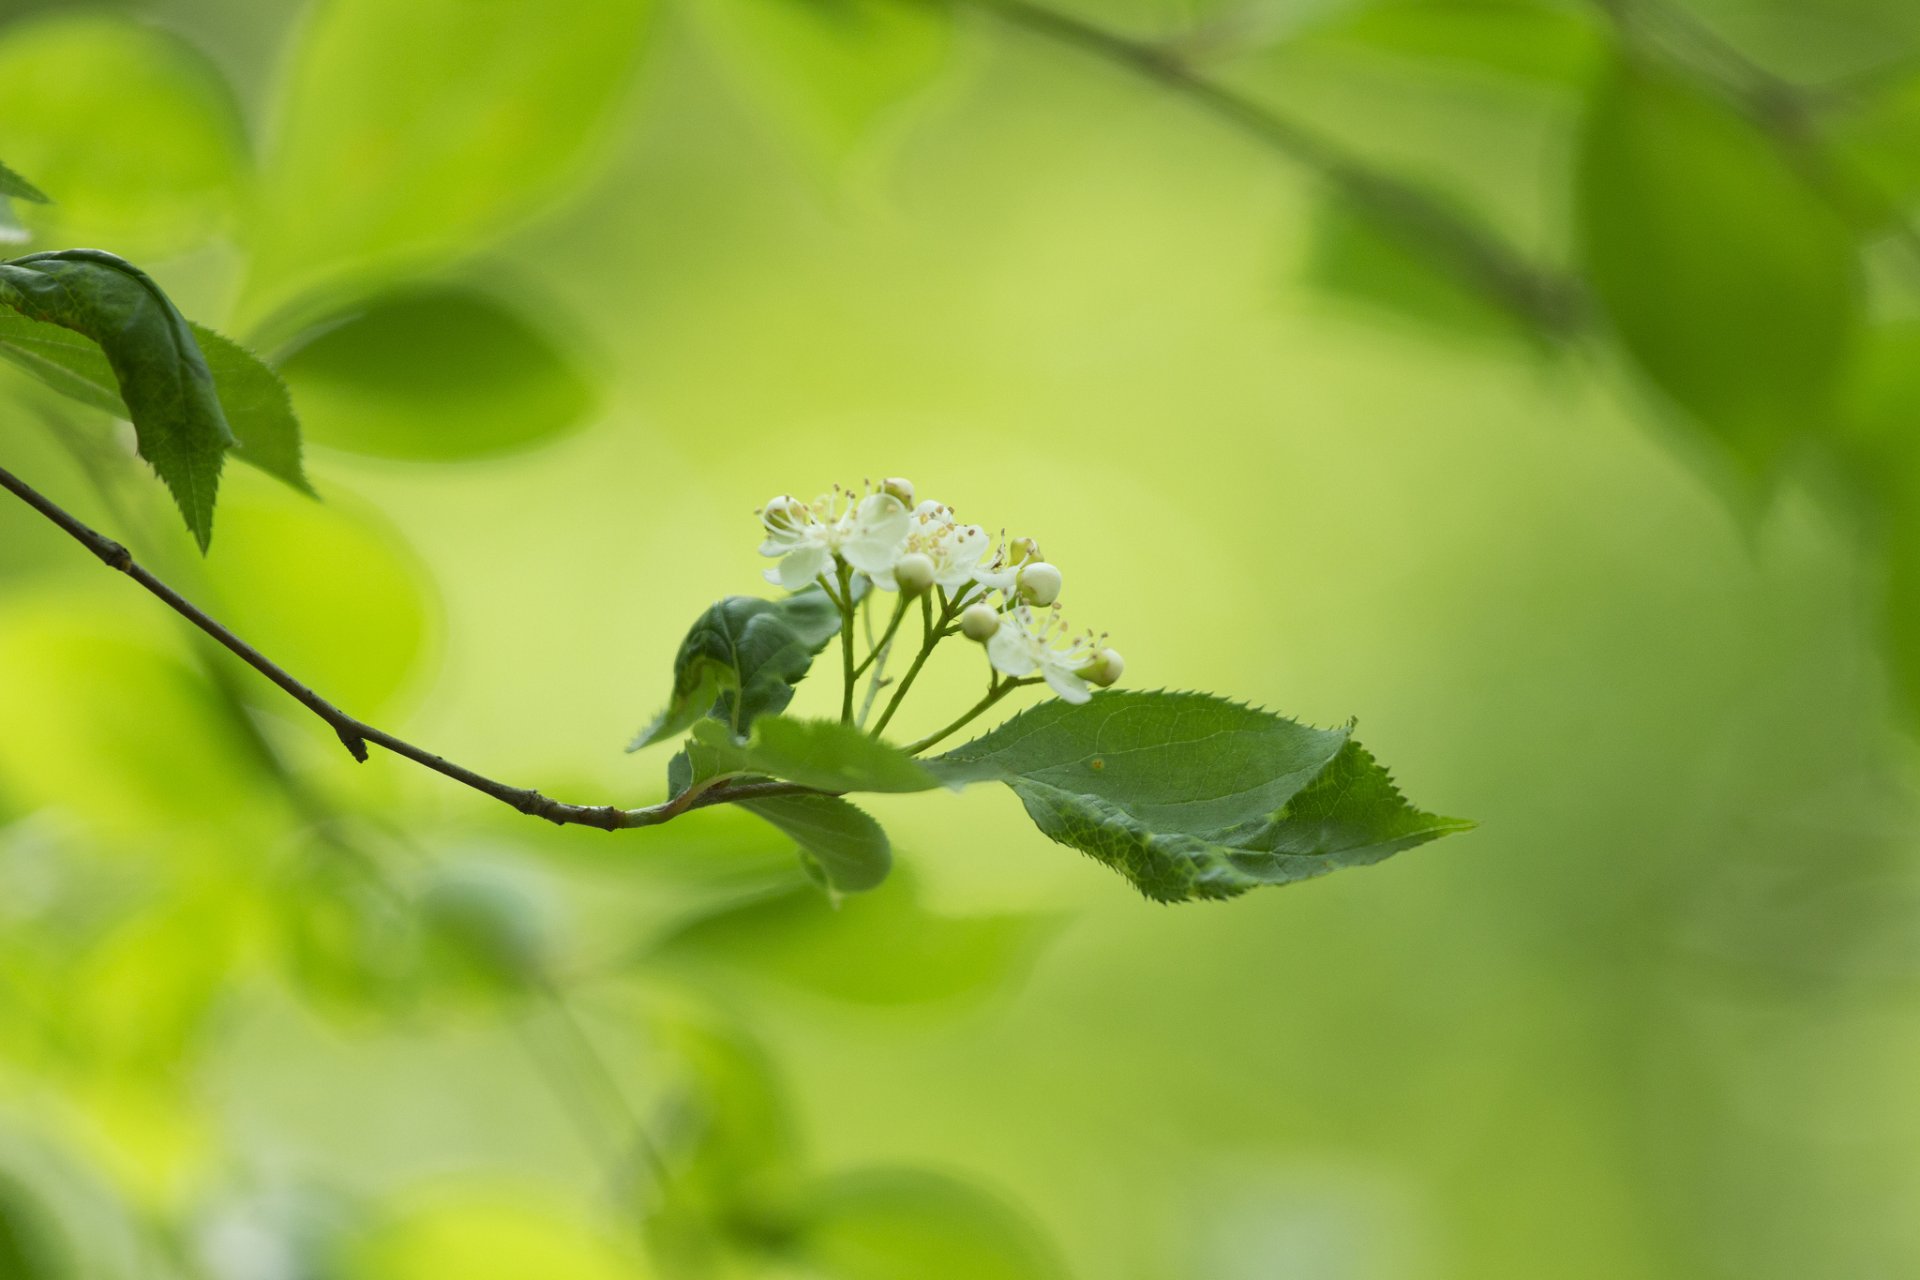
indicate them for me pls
(996, 690)
(846, 643)
(932, 635)
(355, 734)
(886, 637)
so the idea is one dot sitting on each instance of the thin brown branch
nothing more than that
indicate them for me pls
(355, 733)
(1538, 295)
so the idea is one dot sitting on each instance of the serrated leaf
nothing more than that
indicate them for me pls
(845, 847)
(749, 651)
(1730, 282)
(254, 400)
(435, 374)
(1191, 796)
(824, 754)
(12, 184)
(158, 366)
(880, 948)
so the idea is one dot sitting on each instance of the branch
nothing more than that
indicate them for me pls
(355, 734)
(1538, 295)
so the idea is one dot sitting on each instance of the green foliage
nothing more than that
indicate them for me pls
(161, 373)
(1527, 40)
(1731, 283)
(12, 184)
(883, 1224)
(823, 754)
(749, 652)
(132, 128)
(30, 1247)
(843, 849)
(434, 374)
(879, 948)
(409, 129)
(1190, 796)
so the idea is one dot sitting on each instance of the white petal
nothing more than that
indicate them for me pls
(1069, 686)
(1011, 652)
(803, 566)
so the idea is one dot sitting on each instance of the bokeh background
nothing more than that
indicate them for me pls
(1613, 555)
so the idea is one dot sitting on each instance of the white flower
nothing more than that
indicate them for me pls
(868, 533)
(1025, 644)
(955, 550)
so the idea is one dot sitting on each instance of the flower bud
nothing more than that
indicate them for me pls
(784, 514)
(913, 573)
(899, 488)
(980, 622)
(1039, 583)
(1021, 550)
(1105, 669)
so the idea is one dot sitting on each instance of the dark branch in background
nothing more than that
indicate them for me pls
(356, 733)
(1542, 297)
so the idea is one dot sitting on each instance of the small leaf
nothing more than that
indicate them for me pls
(1191, 796)
(824, 754)
(886, 1224)
(159, 368)
(12, 184)
(435, 374)
(880, 948)
(839, 842)
(1732, 284)
(252, 396)
(751, 651)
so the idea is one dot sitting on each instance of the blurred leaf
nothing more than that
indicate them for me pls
(824, 754)
(1881, 139)
(1730, 283)
(30, 1244)
(879, 948)
(141, 1000)
(831, 69)
(1190, 796)
(162, 375)
(1526, 40)
(435, 374)
(251, 395)
(751, 650)
(891, 1224)
(839, 845)
(484, 935)
(494, 1233)
(134, 129)
(12, 184)
(410, 131)
(347, 946)
(329, 589)
(1353, 255)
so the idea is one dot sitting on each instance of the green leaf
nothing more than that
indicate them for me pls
(435, 374)
(824, 754)
(12, 184)
(252, 396)
(1730, 283)
(1191, 796)
(1524, 40)
(410, 131)
(885, 1224)
(30, 1244)
(751, 651)
(880, 948)
(161, 373)
(839, 844)
(829, 70)
(135, 128)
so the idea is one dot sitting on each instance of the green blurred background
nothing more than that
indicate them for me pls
(564, 290)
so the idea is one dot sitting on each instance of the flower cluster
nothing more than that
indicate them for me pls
(1000, 593)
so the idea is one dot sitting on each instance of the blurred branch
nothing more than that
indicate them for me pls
(1538, 295)
(355, 734)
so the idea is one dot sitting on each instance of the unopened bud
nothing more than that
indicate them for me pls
(1039, 583)
(1021, 550)
(784, 513)
(913, 573)
(980, 623)
(899, 488)
(1105, 669)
